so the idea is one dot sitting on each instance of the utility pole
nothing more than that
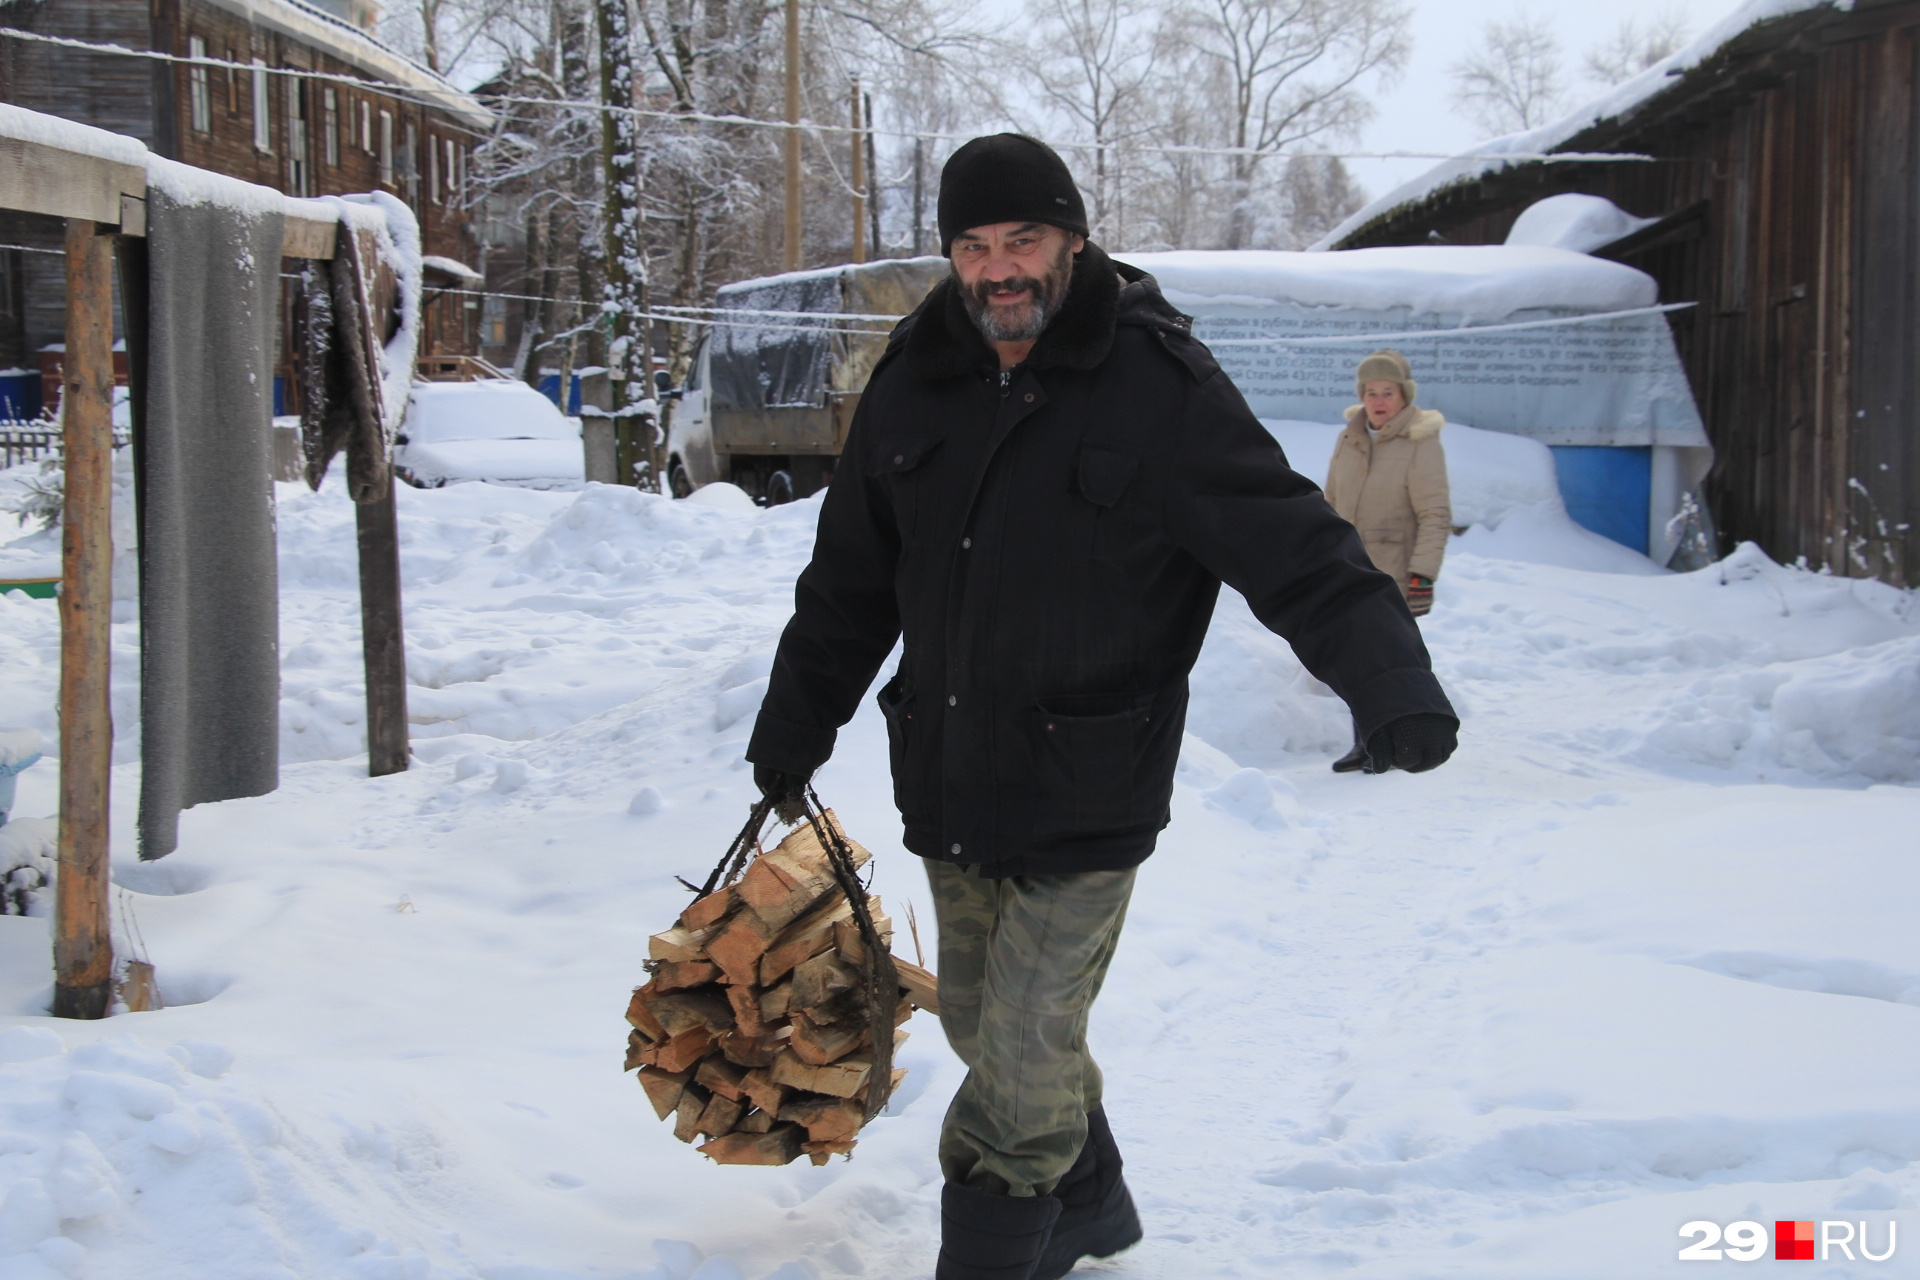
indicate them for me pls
(919, 194)
(873, 182)
(792, 140)
(859, 180)
(624, 307)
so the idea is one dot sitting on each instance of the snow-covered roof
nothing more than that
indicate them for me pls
(451, 266)
(318, 29)
(1492, 156)
(1481, 283)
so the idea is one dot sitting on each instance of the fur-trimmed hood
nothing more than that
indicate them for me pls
(1413, 421)
(939, 339)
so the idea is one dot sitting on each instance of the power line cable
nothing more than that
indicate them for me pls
(702, 117)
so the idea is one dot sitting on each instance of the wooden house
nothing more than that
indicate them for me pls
(263, 109)
(1785, 180)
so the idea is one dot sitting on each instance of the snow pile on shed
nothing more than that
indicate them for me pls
(1529, 340)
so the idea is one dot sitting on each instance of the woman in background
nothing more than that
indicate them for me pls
(1388, 479)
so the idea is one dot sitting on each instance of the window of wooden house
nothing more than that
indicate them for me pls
(262, 110)
(297, 153)
(233, 83)
(412, 164)
(453, 181)
(330, 124)
(433, 169)
(199, 88)
(461, 153)
(366, 126)
(386, 148)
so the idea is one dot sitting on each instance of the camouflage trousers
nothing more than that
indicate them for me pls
(1021, 960)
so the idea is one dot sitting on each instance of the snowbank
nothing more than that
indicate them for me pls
(1515, 1018)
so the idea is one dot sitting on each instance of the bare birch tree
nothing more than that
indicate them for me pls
(1634, 48)
(1090, 61)
(1514, 80)
(1284, 73)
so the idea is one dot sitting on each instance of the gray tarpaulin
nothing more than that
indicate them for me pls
(209, 603)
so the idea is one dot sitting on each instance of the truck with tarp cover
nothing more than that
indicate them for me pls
(772, 386)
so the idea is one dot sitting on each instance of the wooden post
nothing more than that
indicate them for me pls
(859, 179)
(792, 140)
(383, 644)
(82, 937)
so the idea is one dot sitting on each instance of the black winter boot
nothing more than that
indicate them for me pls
(1097, 1219)
(988, 1237)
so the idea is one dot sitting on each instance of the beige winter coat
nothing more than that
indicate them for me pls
(1394, 490)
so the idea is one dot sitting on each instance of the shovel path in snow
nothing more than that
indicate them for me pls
(1642, 954)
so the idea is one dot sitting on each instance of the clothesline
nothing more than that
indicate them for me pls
(1458, 332)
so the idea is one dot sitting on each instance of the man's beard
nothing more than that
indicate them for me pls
(1025, 321)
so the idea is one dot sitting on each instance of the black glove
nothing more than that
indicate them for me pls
(1415, 743)
(788, 791)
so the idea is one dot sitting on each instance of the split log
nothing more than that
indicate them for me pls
(708, 911)
(639, 1050)
(746, 1051)
(763, 1092)
(723, 1078)
(820, 979)
(755, 1121)
(806, 938)
(920, 985)
(664, 1088)
(747, 1016)
(847, 940)
(825, 1119)
(719, 1117)
(791, 879)
(679, 944)
(685, 1010)
(680, 975)
(739, 945)
(776, 1002)
(684, 1051)
(817, 1046)
(819, 1152)
(842, 1079)
(640, 1014)
(687, 1113)
(779, 1145)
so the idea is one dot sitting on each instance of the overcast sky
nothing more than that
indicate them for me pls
(1418, 113)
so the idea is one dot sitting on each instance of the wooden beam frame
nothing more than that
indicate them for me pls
(102, 196)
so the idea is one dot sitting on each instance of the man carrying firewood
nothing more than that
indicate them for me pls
(1045, 484)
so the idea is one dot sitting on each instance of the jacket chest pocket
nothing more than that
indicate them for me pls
(1102, 477)
(897, 463)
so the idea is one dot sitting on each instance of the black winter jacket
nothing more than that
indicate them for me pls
(1051, 542)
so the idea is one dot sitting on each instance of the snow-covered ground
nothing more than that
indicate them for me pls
(1642, 954)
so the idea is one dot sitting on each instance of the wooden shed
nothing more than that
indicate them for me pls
(1785, 177)
(258, 112)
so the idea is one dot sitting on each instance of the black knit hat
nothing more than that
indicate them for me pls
(1007, 177)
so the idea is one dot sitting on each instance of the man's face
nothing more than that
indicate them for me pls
(1013, 276)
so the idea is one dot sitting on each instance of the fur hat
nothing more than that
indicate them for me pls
(1007, 177)
(1385, 365)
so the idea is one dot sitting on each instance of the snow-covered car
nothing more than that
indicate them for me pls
(500, 430)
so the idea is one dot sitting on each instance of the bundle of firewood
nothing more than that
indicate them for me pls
(756, 1027)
